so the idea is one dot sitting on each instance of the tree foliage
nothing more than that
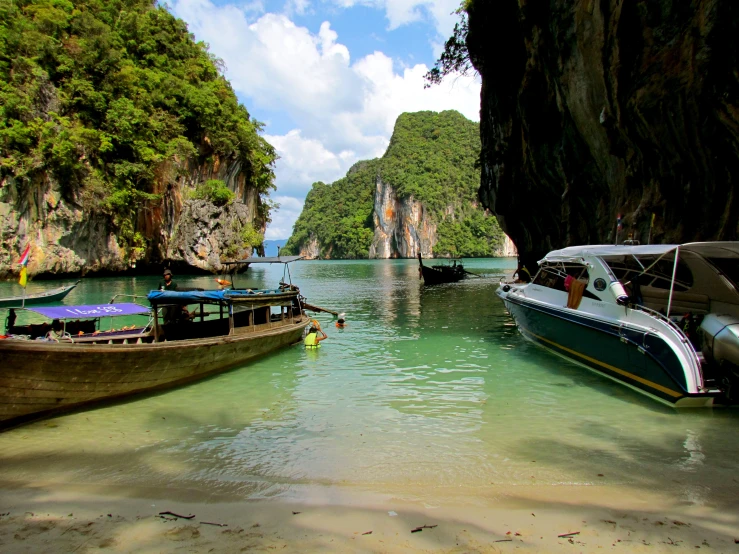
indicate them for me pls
(455, 58)
(214, 191)
(339, 215)
(102, 95)
(432, 157)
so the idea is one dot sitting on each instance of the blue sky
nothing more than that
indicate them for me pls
(328, 78)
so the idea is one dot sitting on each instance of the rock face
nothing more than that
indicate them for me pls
(311, 250)
(401, 231)
(67, 236)
(593, 109)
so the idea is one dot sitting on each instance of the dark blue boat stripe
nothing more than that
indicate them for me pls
(605, 327)
(664, 360)
(609, 367)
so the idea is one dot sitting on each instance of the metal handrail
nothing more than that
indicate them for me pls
(134, 296)
(675, 328)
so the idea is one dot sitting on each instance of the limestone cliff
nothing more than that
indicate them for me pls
(421, 196)
(590, 109)
(311, 250)
(68, 236)
(112, 121)
(401, 230)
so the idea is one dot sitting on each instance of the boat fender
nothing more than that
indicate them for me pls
(619, 293)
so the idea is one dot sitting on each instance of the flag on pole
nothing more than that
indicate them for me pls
(23, 280)
(619, 224)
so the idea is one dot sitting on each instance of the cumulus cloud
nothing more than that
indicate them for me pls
(343, 110)
(283, 219)
(304, 161)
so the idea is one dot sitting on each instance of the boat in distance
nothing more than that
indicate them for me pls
(661, 319)
(441, 273)
(74, 361)
(46, 297)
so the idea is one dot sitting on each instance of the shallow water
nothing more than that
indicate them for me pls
(429, 393)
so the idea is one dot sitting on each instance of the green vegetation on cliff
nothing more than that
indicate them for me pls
(339, 215)
(432, 157)
(108, 96)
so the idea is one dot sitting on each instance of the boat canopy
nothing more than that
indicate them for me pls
(272, 260)
(93, 310)
(726, 249)
(227, 296)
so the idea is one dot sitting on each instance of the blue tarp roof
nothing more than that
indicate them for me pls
(93, 310)
(190, 297)
(207, 296)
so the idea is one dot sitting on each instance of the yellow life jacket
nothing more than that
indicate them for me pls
(310, 341)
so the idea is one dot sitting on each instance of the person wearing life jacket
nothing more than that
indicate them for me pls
(522, 275)
(312, 339)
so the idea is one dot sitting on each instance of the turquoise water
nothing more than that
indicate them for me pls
(429, 393)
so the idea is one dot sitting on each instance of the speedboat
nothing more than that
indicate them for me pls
(661, 319)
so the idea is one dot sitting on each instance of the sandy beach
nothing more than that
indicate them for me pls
(66, 518)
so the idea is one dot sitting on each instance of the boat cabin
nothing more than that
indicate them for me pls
(671, 280)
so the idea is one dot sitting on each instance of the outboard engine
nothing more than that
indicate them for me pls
(720, 339)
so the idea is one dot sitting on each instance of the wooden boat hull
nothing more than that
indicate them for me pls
(38, 378)
(54, 295)
(434, 276)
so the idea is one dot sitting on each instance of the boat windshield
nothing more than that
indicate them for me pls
(554, 275)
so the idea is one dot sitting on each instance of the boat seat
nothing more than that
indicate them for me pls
(682, 302)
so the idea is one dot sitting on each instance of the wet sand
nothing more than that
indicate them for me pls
(55, 517)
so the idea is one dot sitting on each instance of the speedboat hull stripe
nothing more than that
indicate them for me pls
(604, 347)
(609, 367)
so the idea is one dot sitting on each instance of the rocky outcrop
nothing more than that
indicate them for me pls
(401, 231)
(604, 108)
(508, 249)
(70, 236)
(206, 235)
(311, 250)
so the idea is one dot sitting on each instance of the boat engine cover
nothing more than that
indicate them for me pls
(720, 334)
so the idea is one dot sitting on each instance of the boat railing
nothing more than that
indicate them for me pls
(671, 324)
(134, 296)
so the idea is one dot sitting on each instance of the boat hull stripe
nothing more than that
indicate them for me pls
(609, 367)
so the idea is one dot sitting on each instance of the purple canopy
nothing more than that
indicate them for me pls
(94, 310)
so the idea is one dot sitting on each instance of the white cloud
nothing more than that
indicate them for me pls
(303, 161)
(283, 219)
(343, 110)
(299, 7)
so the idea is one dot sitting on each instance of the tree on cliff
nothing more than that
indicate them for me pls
(109, 98)
(338, 216)
(432, 159)
(455, 58)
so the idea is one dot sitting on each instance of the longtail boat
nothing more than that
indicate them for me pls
(46, 297)
(74, 360)
(441, 273)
